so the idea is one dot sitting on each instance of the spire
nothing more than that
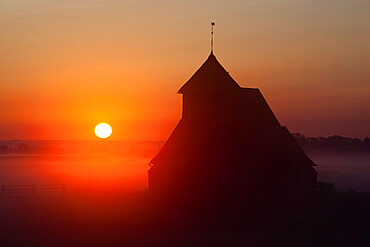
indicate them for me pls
(212, 25)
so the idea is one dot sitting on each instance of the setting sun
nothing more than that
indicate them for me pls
(103, 130)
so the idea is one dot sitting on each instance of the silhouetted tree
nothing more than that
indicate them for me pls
(4, 149)
(326, 187)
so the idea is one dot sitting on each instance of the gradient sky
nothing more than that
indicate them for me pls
(66, 65)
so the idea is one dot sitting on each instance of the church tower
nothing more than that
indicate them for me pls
(228, 150)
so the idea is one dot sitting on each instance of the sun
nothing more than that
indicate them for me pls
(103, 130)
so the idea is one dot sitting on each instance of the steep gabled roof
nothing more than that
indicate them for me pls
(210, 77)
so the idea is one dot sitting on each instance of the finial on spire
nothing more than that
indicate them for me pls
(212, 25)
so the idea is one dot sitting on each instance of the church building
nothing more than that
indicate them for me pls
(229, 150)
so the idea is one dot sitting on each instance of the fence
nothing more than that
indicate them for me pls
(32, 190)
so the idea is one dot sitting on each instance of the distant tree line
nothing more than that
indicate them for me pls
(26, 149)
(334, 143)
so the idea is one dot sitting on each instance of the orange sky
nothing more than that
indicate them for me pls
(66, 65)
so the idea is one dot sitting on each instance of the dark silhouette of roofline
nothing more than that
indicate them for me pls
(210, 77)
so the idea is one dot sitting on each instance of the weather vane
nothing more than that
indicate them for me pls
(212, 25)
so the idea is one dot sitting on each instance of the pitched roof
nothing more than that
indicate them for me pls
(210, 77)
(245, 141)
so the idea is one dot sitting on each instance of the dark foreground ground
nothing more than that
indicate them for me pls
(334, 219)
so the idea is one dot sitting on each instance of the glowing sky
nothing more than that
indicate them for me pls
(66, 65)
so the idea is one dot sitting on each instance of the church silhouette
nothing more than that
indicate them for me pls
(229, 152)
